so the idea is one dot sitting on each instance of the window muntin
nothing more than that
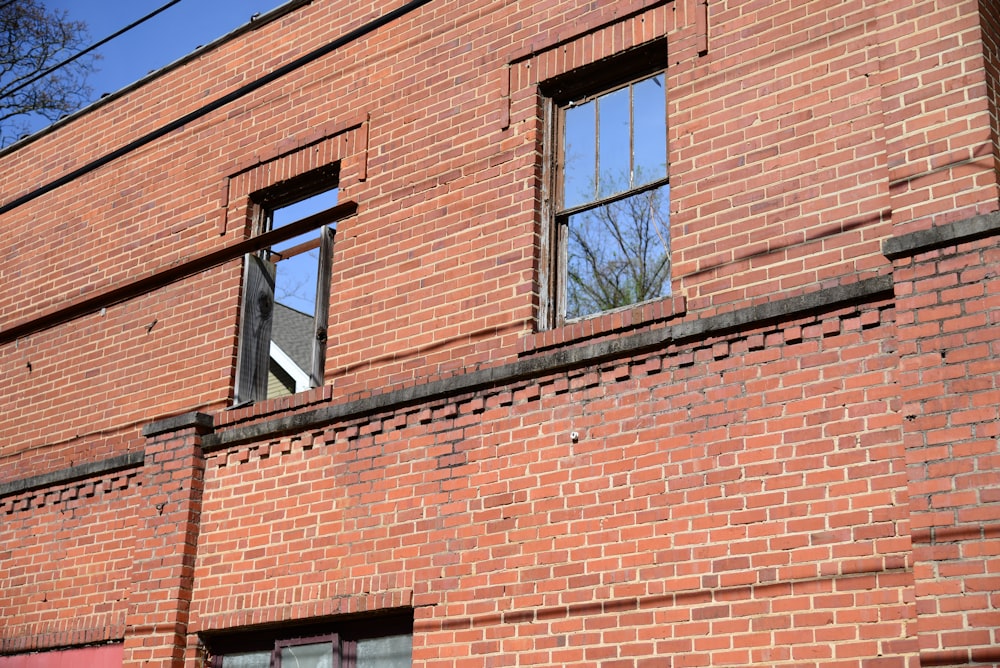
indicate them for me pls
(613, 199)
(286, 295)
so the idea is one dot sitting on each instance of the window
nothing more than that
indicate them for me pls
(610, 245)
(372, 644)
(309, 653)
(286, 289)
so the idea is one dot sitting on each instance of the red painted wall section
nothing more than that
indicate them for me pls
(102, 656)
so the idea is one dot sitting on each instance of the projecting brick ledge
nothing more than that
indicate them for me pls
(555, 362)
(73, 473)
(543, 364)
(184, 421)
(951, 234)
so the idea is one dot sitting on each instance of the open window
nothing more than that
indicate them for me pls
(286, 288)
(610, 218)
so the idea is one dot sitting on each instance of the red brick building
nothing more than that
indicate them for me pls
(761, 428)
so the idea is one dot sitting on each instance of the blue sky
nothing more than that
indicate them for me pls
(163, 39)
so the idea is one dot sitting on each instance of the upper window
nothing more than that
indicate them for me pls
(286, 289)
(611, 240)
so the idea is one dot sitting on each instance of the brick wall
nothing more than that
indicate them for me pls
(938, 132)
(732, 501)
(784, 167)
(765, 126)
(948, 309)
(82, 391)
(791, 461)
(67, 560)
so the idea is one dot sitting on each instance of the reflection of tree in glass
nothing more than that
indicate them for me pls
(295, 285)
(619, 253)
(34, 40)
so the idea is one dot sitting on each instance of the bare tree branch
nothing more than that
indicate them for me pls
(32, 40)
(619, 253)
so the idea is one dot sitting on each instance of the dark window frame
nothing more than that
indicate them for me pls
(343, 634)
(257, 300)
(274, 651)
(575, 88)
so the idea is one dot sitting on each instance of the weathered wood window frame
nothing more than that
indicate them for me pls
(572, 91)
(350, 645)
(260, 268)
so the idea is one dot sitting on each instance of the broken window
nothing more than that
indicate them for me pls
(611, 235)
(286, 289)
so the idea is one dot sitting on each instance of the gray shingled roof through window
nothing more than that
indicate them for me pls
(293, 330)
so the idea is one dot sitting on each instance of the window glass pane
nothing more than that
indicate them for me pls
(619, 253)
(579, 155)
(613, 142)
(318, 655)
(387, 652)
(306, 207)
(247, 660)
(649, 116)
(295, 283)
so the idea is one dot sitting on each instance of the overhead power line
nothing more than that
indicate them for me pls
(96, 45)
(330, 47)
